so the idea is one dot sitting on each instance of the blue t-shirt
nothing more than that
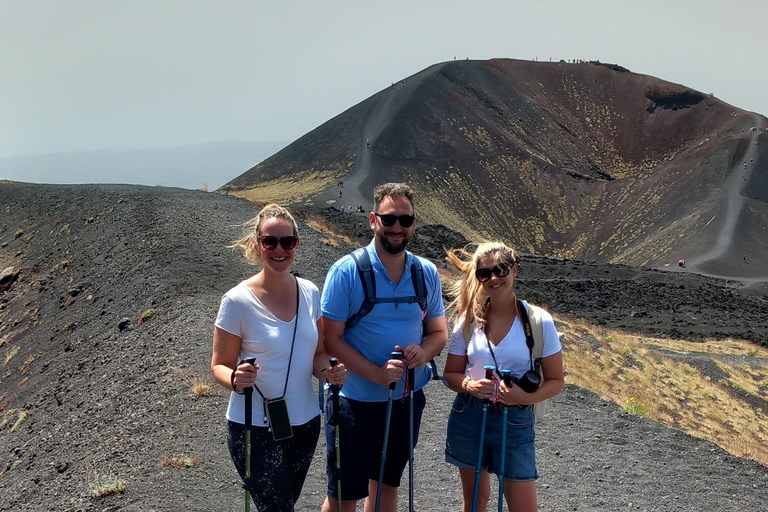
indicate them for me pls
(387, 325)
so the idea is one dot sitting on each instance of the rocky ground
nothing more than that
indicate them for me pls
(88, 394)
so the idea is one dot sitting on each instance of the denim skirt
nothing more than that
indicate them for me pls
(462, 445)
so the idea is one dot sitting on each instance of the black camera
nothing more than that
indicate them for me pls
(529, 382)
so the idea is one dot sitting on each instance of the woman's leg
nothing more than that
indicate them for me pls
(269, 484)
(468, 489)
(521, 496)
(299, 452)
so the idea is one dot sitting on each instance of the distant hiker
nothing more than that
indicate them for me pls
(342, 208)
(340, 193)
(275, 318)
(489, 331)
(414, 327)
(367, 143)
(681, 263)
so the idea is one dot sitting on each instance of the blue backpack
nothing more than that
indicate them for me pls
(365, 271)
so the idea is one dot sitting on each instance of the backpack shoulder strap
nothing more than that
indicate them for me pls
(419, 283)
(538, 332)
(368, 280)
(534, 330)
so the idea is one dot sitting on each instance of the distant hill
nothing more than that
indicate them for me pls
(586, 161)
(194, 166)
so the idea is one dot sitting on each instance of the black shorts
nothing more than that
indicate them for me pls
(361, 442)
(278, 468)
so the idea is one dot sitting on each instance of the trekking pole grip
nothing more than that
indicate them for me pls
(399, 357)
(489, 369)
(334, 387)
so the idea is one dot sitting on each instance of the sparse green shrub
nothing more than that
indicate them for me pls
(18, 233)
(145, 316)
(633, 407)
(9, 354)
(101, 485)
(22, 417)
(180, 461)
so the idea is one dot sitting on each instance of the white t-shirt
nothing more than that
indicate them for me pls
(511, 353)
(268, 339)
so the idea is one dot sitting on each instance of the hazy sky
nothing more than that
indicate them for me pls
(82, 75)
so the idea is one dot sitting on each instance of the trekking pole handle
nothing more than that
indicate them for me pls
(399, 357)
(506, 376)
(334, 387)
(489, 369)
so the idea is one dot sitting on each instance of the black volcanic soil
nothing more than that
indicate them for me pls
(101, 401)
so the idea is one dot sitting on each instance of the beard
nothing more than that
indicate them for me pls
(389, 246)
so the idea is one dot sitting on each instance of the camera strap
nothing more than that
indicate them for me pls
(527, 329)
(528, 337)
(290, 358)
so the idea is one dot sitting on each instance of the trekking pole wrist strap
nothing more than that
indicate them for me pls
(232, 381)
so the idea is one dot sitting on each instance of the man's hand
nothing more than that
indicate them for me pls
(414, 355)
(392, 371)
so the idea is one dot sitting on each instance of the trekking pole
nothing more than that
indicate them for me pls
(410, 380)
(506, 376)
(335, 420)
(248, 422)
(390, 399)
(489, 369)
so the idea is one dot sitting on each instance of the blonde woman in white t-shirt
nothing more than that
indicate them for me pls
(488, 331)
(273, 317)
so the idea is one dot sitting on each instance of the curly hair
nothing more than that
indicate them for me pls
(393, 191)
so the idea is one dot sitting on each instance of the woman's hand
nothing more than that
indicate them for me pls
(513, 395)
(482, 388)
(245, 376)
(336, 375)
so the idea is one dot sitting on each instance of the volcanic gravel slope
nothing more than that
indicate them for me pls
(102, 402)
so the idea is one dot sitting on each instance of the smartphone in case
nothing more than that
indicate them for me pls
(279, 422)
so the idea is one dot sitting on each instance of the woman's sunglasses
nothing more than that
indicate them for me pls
(501, 270)
(388, 220)
(270, 242)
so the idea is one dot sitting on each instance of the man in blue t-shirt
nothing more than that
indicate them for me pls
(365, 350)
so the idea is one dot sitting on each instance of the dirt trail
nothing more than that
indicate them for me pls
(734, 203)
(387, 103)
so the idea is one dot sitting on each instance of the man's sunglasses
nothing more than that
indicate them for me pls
(286, 242)
(389, 220)
(501, 270)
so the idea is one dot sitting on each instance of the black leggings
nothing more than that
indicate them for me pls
(278, 468)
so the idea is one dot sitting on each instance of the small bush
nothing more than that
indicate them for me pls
(145, 316)
(202, 389)
(18, 234)
(22, 417)
(180, 461)
(9, 354)
(632, 407)
(104, 486)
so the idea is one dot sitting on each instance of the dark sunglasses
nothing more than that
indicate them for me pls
(286, 242)
(501, 270)
(389, 220)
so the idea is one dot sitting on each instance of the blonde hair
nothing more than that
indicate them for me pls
(249, 243)
(468, 302)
